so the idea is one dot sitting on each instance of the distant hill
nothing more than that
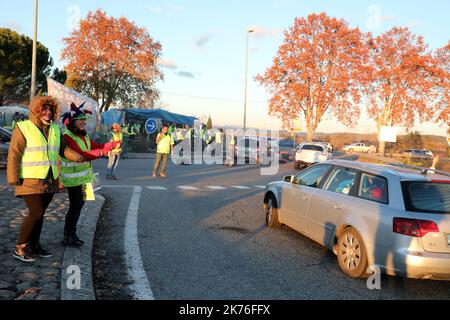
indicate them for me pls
(437, 144)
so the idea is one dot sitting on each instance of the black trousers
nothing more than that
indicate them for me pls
(30, 231)
(73, 214)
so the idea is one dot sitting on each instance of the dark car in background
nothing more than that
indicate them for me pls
(5, 139)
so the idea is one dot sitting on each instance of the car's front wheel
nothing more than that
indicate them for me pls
(351, 253)
(271, 213)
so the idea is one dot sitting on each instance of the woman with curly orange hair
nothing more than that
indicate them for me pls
(35, 147)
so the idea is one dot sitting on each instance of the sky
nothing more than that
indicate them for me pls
(204, 44)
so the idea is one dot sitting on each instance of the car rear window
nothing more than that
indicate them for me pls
(312, 147)
(428, 197)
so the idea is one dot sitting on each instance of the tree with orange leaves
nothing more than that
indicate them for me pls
(404, 80)
(317, 71)
(112, 60)
(441, 111)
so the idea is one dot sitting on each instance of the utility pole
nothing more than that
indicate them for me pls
(33, 65)
(245, 80)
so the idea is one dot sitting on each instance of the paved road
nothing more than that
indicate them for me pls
(201, 235)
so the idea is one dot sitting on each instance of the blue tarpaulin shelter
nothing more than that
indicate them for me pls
(165, 116)
(112, 116)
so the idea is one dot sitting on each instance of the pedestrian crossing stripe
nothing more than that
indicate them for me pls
(241, 187)
(216, 188)
(188, 188)
(156, 188)
(260, 187)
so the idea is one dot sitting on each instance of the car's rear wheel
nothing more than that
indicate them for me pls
(271, 213)
(352, 255)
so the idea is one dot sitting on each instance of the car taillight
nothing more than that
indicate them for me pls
(414, 227)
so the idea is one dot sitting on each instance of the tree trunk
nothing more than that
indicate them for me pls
(309, 134)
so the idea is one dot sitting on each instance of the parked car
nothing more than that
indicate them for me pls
(369, 215)
(326, 144)
(287, 149)
(5, 138)
(419, 154)
(357, 147)
(308, 154)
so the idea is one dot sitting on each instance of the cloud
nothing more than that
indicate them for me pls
(157, 10)
(166, 63)
(388, 18)
(14, 25)
(175, 8)
(185, 74)
(413, 24)
(262, 32)
(202, 40)
(167, 10)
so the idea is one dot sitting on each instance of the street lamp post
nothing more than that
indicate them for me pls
(245, 81)
(33, 65)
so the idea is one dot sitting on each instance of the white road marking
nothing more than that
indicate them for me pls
(140, 287)
(260, 187)
(187, 187)
(157, 188)
(241, 187)
(111, 186)
(216, 188)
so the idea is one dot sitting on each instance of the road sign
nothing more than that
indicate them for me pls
(151, 126)
(388, 134)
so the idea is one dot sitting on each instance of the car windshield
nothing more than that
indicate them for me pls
(312, 147)
(428, 197)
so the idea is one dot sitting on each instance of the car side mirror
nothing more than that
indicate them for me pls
(288, 179)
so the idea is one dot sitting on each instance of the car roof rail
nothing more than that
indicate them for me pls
(423, 170)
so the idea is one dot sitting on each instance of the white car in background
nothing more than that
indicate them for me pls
(357, 147)
(308, 154)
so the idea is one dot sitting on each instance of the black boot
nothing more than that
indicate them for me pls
(81, 242)
(71, 241)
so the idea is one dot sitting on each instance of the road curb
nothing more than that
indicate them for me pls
(82, 257)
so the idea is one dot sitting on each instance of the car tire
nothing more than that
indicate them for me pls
(352, 254)
(271, 213)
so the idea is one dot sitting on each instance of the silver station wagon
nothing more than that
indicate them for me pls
(369, 215)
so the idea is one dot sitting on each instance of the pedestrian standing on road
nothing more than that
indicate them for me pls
(114, 156)
(165, 145)
(220, 146)
(231, 150)
(33, 155)
(74, 176)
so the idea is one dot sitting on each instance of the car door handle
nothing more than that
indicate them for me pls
(338, 206)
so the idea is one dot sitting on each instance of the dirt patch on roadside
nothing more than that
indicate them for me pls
(109, 272)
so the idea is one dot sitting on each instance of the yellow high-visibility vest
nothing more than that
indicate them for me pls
(40, 154)
(74, 174)
(164, 144)
(117, 137)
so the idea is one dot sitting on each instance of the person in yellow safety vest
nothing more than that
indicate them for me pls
(165, 144)
(36, 144)
(74, 176)
(115, 154)
(179, 135)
